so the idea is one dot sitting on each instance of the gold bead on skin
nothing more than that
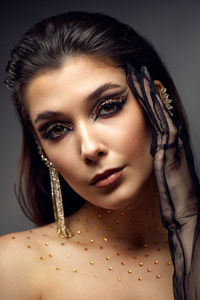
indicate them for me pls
(117, 221)
(74, 270)
(41, 258)
(123, 263)
(99, 216)
(109, 228)
(57, 268)
(96, 227)
(158, 276)
(145, 245)
(169, 263)
(119, 278)
(140, 278)
(50, 255)
(92, 262)
(122, 213)
(91, 241)
(141, 264)
(46, 244)
(129, 271)
(68, 255)
(156, 262)
(78, 232)
(108, 211)
(107, 257)
(110, 268)
(105, 239)
(118, 253)
(149, 270)
(62, 244)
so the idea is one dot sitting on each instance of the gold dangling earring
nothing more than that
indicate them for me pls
(56, 194)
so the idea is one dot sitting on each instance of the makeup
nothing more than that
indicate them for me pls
(109, 180)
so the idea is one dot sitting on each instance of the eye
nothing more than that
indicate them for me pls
(109, 106)
(53, 131)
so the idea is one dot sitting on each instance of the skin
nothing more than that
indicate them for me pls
(122, 139)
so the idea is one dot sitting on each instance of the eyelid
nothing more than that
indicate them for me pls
(109, 96)
(52, 123)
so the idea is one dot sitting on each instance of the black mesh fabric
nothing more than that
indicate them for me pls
(177, 184)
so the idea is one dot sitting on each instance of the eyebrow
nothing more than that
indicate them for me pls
(91, 97)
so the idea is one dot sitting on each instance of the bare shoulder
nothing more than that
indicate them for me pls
(20, 256)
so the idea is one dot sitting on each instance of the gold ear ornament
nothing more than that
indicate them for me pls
(56, 194)
(166, 100)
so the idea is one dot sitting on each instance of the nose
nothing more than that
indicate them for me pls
(92, 148)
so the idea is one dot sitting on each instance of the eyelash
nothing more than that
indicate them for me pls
(48, 130)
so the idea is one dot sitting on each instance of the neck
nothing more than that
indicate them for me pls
(136, 226)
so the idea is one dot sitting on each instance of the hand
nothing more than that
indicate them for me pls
(177, 183)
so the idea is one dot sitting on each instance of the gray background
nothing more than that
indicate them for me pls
(172, 26)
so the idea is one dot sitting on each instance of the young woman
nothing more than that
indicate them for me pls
(109, 145)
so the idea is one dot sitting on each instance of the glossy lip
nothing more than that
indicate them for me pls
(103, 175)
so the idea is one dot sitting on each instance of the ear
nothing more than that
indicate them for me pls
(159, 86)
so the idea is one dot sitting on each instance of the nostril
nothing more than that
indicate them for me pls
(87, 160)
(100, 154)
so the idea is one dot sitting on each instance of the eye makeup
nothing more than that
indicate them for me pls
(54, 129)
(109, 105)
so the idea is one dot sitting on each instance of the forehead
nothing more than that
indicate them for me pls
(75, 79)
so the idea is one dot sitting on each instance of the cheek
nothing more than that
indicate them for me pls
(134, 136)
(67, 165)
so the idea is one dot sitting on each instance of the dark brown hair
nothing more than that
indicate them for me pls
(45, 46)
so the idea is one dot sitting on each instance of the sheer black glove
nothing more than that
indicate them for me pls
(177, 184)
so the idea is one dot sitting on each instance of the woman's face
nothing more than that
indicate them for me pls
(83, 135)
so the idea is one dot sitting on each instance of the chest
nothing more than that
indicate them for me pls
(97, 281)
(108, 288)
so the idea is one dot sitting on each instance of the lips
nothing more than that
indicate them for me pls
(103, 175)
